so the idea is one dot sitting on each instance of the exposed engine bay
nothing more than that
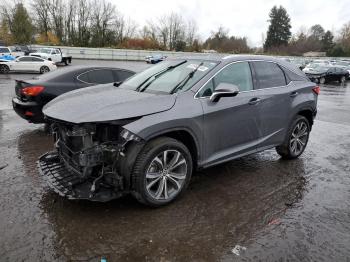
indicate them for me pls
(90, 160)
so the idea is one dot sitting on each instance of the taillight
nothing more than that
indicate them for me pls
(32, 90)
(316, 90)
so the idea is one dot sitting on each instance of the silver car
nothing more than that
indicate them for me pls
(148, 135)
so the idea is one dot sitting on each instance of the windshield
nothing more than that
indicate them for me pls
(4, 50)
(318, 66)
(163, 77)
(44, 50)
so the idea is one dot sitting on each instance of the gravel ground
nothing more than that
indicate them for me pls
(254, 208)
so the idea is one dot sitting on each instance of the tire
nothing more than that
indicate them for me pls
(4, 69)
(153, 182)
(290, 149)
(44, 69)
(342, 80)
(322, 80)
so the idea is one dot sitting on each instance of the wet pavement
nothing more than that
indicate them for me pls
(254, 208)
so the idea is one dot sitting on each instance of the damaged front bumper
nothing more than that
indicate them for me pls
(66, 183)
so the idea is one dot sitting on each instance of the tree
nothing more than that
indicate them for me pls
(221, 41)
(327, 41)
(22, 28)
(42, 17)
(278, 33)
(317, 32)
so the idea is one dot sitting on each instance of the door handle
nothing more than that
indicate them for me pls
(254, 101)
(294, 94)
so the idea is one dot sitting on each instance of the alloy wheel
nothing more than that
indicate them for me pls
(166, 175)
(322, 80)
(299, 138)
(342, 80)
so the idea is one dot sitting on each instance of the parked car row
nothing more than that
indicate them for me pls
(324, 72)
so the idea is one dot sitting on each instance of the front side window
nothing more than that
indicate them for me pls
(269, 74)
(25, 59)
(238, 74)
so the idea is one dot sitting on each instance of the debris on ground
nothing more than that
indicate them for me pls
(3, 166)
(237, 249)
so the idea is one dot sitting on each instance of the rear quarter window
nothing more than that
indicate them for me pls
(268, 74)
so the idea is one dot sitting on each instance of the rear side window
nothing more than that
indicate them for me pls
(37, 59)
(99, 76)
(268, 74)
(122, 75)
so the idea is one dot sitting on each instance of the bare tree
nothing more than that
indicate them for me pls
(40, 9)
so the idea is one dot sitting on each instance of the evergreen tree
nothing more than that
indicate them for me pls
(22, 28)
(279, 29)
(327, 41)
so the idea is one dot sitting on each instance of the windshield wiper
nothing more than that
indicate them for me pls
(156, 75)
(183, 82)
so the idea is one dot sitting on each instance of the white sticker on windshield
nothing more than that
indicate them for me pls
(201, 68)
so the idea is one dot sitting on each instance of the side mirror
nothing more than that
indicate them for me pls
(116, 84)
(224, 90)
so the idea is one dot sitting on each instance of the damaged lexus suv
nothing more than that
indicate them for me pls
(146, 136)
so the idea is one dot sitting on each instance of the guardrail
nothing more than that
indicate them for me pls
(136, 55)
(113, 54)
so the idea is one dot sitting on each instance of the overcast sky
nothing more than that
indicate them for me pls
(243, 17)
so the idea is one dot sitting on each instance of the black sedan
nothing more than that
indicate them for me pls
(32, 95)
(324, 74)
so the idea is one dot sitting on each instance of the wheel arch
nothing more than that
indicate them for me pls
(308, 114)
(186, 137)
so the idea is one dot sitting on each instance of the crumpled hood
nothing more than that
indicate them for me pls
(105, 103)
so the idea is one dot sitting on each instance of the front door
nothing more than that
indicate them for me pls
(231, 125)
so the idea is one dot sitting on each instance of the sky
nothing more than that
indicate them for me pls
(244, 17)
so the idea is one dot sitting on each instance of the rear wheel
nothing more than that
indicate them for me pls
(44, 69)
(296, 140)
(4, 69)
(162, 172)
(322, 80)
(342, 80)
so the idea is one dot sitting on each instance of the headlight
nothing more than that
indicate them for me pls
(129, 136)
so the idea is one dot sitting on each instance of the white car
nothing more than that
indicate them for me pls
(4, 51)
(27, 64)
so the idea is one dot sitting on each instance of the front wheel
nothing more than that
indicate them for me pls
(296, 140)
(162, 172)
(44, 69)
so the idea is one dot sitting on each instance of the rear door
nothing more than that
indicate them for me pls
(275, 99)
(231, 125)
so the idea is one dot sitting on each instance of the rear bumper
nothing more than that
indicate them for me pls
(68, 184)
(30, 111)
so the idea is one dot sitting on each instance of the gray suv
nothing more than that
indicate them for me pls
(147, 136)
